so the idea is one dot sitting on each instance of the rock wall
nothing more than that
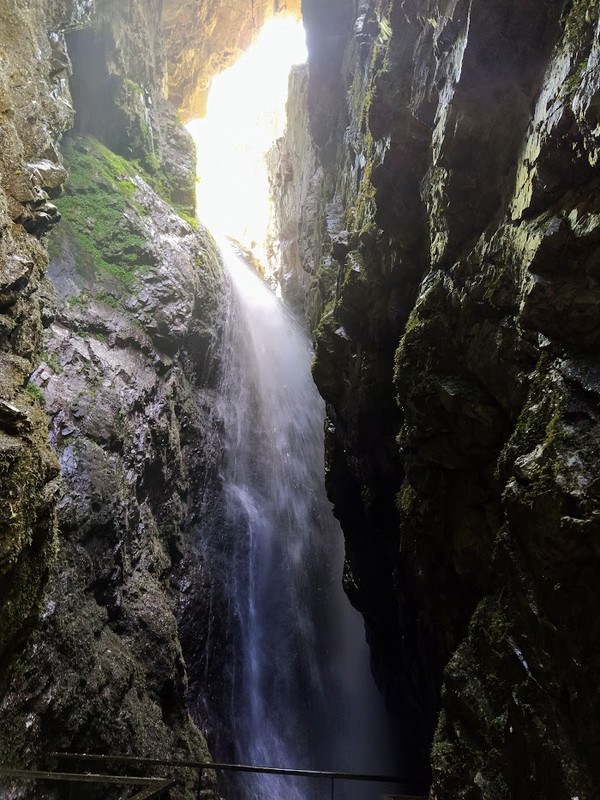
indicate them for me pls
(295, 180)
(121, 339)
(35, 110)
(133, 318)
(440, 185)
(453, 247)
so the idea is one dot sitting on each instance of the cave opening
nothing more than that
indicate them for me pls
(246, 113)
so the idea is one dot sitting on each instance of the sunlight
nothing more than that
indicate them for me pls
(245, 114)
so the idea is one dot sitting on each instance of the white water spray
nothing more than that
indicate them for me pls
(302, 696)
(286, 674)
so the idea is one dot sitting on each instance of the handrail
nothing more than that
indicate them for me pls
(400, 781)
(153, 787)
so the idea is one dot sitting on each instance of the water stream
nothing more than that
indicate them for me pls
(278, 661)
(299, 690)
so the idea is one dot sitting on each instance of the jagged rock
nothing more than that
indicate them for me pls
(123, 354)
(295, 180)
(458, 145)
(35, 110)
(441, 233)
(128, 328)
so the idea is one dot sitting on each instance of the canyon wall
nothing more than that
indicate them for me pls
(35, 110)
(106, 365)
(450, 254)
(110, 325)
(439, 203)
(108, 336)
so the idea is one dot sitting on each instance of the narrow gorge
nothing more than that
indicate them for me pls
(171, 569)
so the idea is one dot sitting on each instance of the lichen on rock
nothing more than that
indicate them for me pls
(455, 312)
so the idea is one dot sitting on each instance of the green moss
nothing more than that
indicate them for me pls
(406, 499)
(130, 102)
(100, 337)
(385, 29)
(101, 216)
(81, 300)
(500, 287)
(490, 620)
(108, 300)
(133, 87)
(51, 359)
(442, 752)
(580, 23)
(188, 218)
(326, 319)
(87, 158)
(36, 393)
(94, 209)
(530, 428)
(361, 213)
(543, 436)
(414, 321)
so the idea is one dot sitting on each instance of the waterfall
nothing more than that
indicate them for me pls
(297, 691)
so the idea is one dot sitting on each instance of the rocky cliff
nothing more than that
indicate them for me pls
(439, 204)
(125, 354)
(203, 38)
(35, 110)
(110, 351)
(121, 340)
(451, 247)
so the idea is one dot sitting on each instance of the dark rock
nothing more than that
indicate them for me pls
(40, 219)
(458, 146)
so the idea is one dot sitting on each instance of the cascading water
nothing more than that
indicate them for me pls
(272, 501)
(300, 693)
(278, 661)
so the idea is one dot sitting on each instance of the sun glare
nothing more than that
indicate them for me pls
(245, 114)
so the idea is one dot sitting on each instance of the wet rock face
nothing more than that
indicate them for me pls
(34, 111)
(125, 355)
(295, 179)
(130, 316)
(455, 292)
(119, 94)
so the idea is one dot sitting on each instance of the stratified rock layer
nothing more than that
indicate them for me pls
(455, 293)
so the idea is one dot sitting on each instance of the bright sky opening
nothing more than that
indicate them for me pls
(245, 115)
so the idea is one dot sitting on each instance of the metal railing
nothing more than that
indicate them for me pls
(153, 787)
(406, 789)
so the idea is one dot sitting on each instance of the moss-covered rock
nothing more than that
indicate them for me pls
(34, 111)
(458, 145)
(129, 322)
(134, 316)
